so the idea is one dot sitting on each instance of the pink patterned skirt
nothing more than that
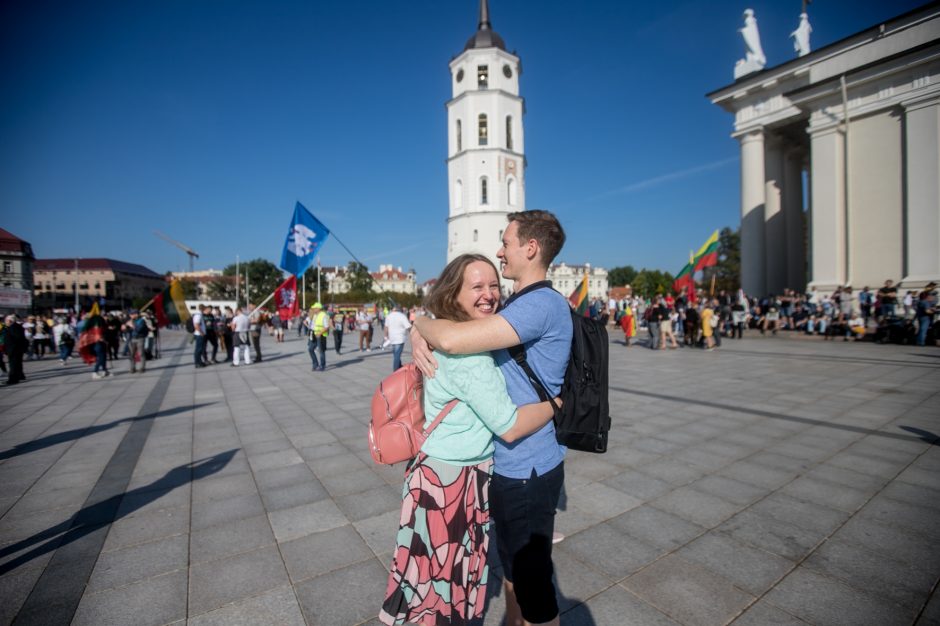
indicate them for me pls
(439, 570)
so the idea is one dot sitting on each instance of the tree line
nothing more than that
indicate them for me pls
(263, 277)
(647, 283)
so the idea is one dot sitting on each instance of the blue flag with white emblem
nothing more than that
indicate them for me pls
(304, 238)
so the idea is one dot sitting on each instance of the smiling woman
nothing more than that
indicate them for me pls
(439, 567)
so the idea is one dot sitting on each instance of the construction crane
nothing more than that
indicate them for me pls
(192, 253)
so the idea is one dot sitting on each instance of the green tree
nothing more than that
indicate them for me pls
(649, 283)
(358, 277)
(310, 277)
(223, 287)
(621, 276)
(728, 271)
(263, 279)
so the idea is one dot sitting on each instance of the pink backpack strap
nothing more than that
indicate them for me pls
(440, 416)
(427, 433)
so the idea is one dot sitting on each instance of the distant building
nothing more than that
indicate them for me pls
(116, 284)
(16, 279)
(428, 286)
(619, 293)
(388, 278)
(566, 278)
(202, 278)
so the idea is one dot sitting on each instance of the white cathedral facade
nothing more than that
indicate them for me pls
(486, 143)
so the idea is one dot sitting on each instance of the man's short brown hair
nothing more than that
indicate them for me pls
(545, 228)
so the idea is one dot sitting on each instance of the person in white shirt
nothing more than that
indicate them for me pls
(199, 332)
(64, 339)
(364, 323)
(396, 328)
(240, 341)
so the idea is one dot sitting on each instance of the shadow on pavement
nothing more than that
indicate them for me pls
(828, 357)
(924, 435)
(780, 416)
(340, 364)
(94, 516)
(78, 433)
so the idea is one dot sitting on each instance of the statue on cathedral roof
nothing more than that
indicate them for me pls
(754, 59)
(801, 34)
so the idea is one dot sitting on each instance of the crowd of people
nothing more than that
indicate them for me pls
(883, 316)
(123, 334)
(494, 459)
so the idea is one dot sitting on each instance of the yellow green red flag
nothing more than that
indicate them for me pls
(707, 255)
(170, 306)
(579, 298)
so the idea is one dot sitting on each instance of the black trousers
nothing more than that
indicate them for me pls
(337, 340)
(16, 368)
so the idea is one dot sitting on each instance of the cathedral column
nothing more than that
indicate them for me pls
(922, 187)
(752, 213)
(775, 232)
(828, 214)
(793, 218)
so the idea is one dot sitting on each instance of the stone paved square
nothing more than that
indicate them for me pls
(777, 480)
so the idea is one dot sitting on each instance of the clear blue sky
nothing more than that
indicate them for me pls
(208, 119)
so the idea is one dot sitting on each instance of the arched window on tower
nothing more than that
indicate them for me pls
(511, 190)
(483, 73)
(458, 194)
(482, 132)
(459, 136)
(509, 132)
(474, 235)
(484, 198)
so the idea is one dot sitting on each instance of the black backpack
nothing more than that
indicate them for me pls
(583, 420)
(190, 327)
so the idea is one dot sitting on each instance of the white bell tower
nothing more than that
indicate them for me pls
(486, 143)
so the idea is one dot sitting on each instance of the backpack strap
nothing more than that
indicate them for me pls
(427, 433)
(440, 416)
(518, 355)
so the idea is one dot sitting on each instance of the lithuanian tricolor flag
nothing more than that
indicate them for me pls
(579, 298)
(707, 255)
(685, 279)
(92, 333)
(170, 306)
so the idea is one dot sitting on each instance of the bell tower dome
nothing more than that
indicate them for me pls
(486, 143)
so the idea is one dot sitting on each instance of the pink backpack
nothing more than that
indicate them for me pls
(396, 431)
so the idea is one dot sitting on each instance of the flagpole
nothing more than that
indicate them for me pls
(347, 249)
(318, 276)
(238, 279)
(247, 290)
(304, 296)
(263, 302)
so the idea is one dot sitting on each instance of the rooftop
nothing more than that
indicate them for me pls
(95, 264)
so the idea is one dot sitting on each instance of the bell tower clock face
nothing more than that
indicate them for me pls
(507, 71)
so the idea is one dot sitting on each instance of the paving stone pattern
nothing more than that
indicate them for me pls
(773, 481)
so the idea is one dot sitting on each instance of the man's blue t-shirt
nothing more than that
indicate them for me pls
(542, 319)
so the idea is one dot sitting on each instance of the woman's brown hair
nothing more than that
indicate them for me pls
(442, 301)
